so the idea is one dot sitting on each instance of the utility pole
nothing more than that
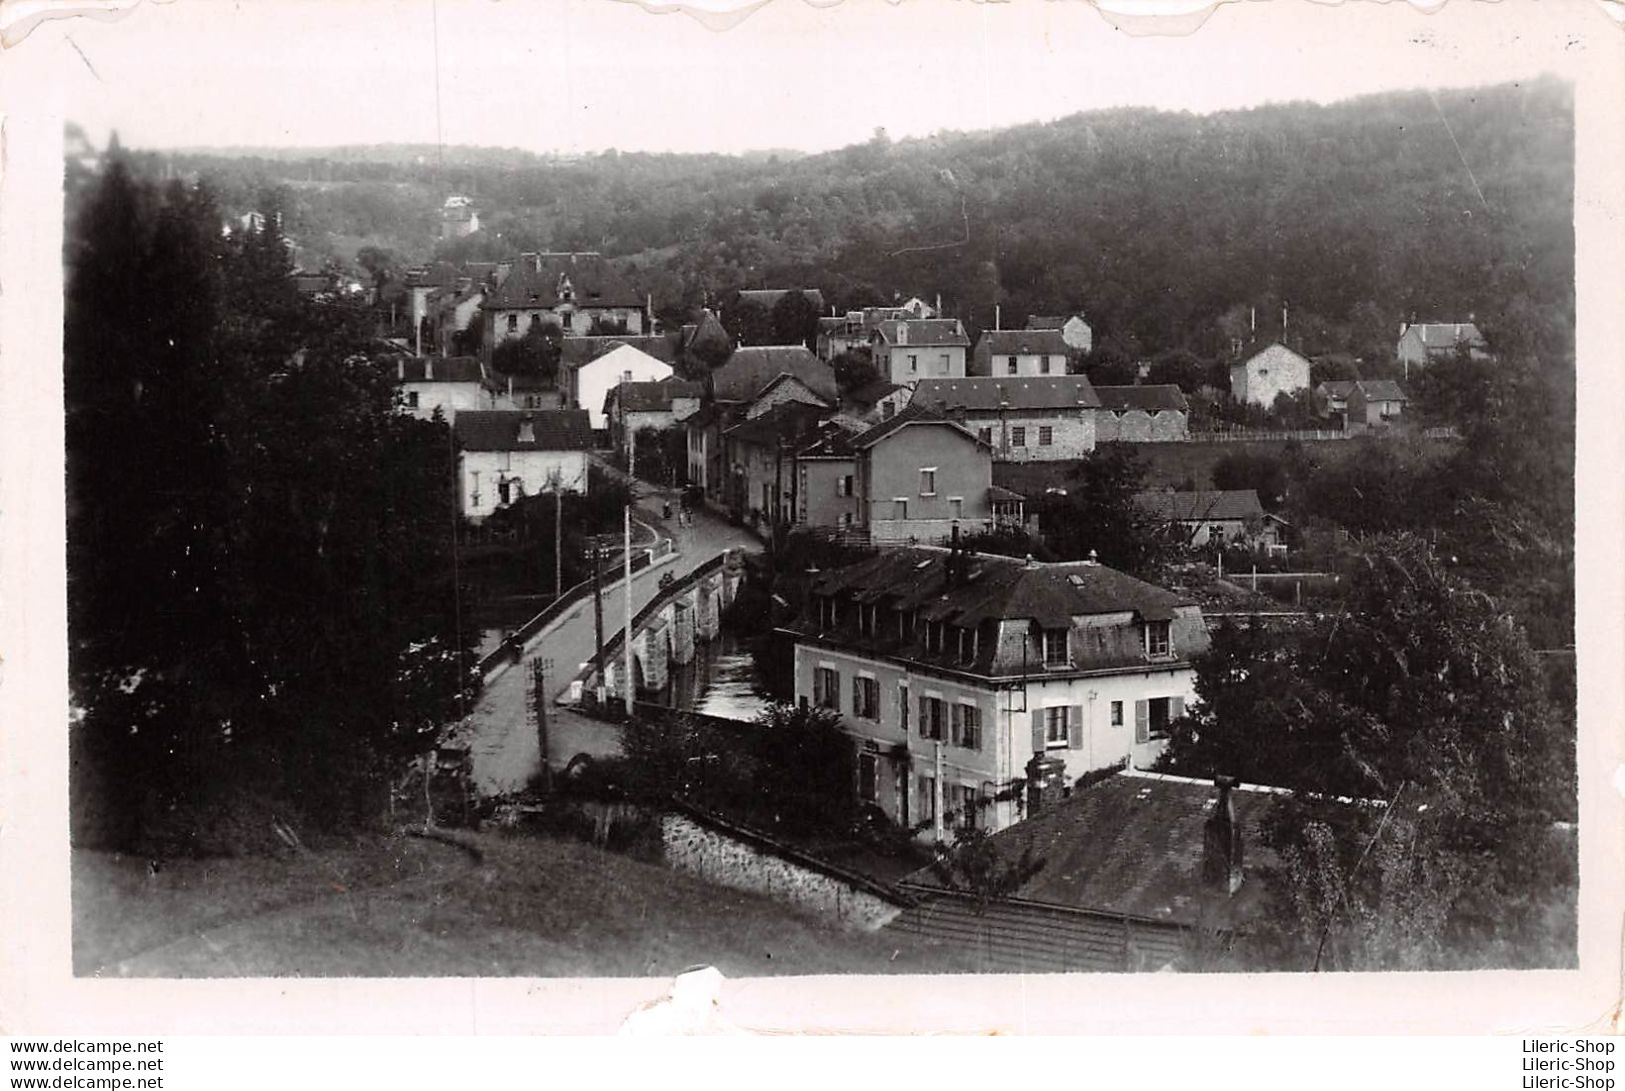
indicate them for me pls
(538, 668)
(558, 539)
(626, 596)
(598, 611)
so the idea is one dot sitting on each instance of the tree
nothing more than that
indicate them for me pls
(536, 353)
(1098, 517)
(854, 369)
(259, 605)
(1180, 368)
(1421, 689)
(1261, 471)
(795, 320)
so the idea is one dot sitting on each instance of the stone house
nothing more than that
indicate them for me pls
(590, 383)
(1267, 374)
(458, 217)
(449, 385)
(1142, 872)
(1424, 342)
(1023, 419)
(1074, 330)
(1141, 414)
(908, 350)
(577, 293)
(632, 407)
(759, 463)
(505, 455)
(1201, 518)
(1020, 353)
(1374, 403)
(958, 674)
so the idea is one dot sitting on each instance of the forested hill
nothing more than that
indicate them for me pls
(1166, 229)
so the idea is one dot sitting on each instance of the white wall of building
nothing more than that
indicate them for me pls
(527, 473)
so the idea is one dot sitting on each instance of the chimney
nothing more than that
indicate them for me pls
(998, 313)
(400, 369)
(428, 369)
(956, 559)
(527, 429)
(1221, 842)
(1403, 326)
(1046, 782)
(510, 388)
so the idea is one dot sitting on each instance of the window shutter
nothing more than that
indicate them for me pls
(958, 725)
(1074, 728)
(1038, 731)
(925, 726)
(1176, 708)
(857, 695)
(1142, 721)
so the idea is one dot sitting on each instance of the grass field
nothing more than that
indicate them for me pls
(535, 906)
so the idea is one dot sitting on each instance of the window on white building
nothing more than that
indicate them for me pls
(1046, 435)
(867, 764)
(1010, 366)
(985, 435)
(827, 688)
(513, 323)
(1055, 648)
(928, 481)
(913, 364)
(1018, 437)
(1117, 713)
(966, 727)
(866, 698)
(942, 363)
(1056, 725)
(1157, 640)
(1043, 365)
(411, 399)
(932, 714)
(568, 319)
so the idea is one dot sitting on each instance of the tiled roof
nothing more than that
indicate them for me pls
(1020, 343)
(1151, 399)
(1003, 588)
(536, 279)
(1132, 844)
(923, 331)
(1188, 507)
(1271, 353)
(768, 298)
(1048, 321)
(499, 429)
(915, 414)
(833, 440)
(450, 369)
(1337, 388)
(1381, 390)
(751, 369)
(788, 421)
(983, 394)
(1444, 336)
(575, 351)
(650, 397)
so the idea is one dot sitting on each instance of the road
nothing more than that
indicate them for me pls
(506, 752)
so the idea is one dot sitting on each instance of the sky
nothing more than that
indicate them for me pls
(577, 76)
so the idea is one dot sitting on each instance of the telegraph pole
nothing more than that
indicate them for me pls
(598, 610)
(626, 596)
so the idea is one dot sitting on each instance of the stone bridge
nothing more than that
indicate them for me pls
(665, 632)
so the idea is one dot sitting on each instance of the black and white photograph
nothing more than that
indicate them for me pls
(957, 495)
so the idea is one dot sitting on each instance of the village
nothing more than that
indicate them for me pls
(991, 702)
(836, 571)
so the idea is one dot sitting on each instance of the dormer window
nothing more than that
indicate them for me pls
(1055, 648)
(1158, 643)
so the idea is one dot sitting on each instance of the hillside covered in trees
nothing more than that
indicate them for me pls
(1168, 230)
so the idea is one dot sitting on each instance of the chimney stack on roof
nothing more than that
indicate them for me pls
(1221, 843)
(527, 429)
(428, 368)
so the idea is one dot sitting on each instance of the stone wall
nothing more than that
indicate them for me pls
(741, 861)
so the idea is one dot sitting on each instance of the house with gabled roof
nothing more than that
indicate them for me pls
(1213, 516)
(1136, 871)
(758, 463)
(1020, 353)
(1142, 414)
(632, 407)
(908, 350)
(1074, 330)
(1425, 342)
(591, 382)
(1267, 374)
(1364, 403)
(579, 294)
(961, 678)
(504, 455)
(449, 385)
(1023, 419)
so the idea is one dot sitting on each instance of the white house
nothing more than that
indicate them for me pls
(1020, 353)
(907, 350)
(451, 385)
(1074, 330)
(1267, 374)
(622, 364)
(507, 454)
(958, 674)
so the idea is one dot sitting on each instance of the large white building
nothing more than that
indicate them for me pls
(592, 381)
(504, 455)
(959, 674)
(1267, 374)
